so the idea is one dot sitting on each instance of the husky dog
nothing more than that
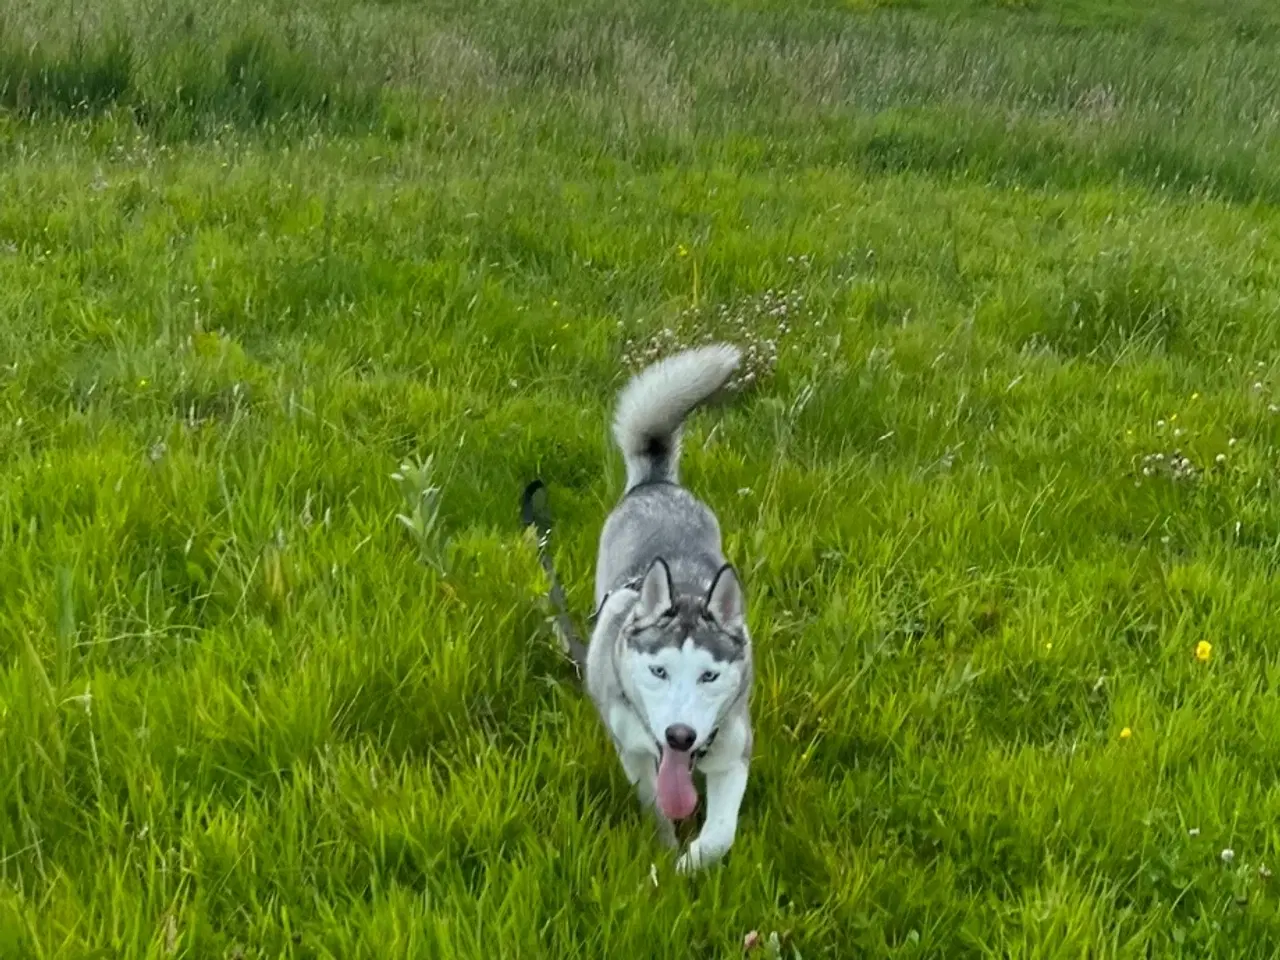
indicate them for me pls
(669, 663)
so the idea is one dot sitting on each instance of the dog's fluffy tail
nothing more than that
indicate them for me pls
(652, 409)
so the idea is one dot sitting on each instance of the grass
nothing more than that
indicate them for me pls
(1008, 276)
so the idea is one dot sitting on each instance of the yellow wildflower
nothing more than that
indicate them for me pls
(1204, 650)
(1126, 733)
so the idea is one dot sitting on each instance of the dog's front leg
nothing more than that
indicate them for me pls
(642, 771)
(639, 764)
(725, 788)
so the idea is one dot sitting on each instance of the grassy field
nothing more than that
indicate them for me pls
(272, 275)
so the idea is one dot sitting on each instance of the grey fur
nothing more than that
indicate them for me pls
(659, 523)
(687, 618)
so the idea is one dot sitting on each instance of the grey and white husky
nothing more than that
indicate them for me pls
(669, 663)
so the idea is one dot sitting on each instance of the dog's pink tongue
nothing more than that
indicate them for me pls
(676, 796)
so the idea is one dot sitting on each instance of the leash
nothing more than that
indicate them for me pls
(534, 513)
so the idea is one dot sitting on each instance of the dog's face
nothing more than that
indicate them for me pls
(685, 656)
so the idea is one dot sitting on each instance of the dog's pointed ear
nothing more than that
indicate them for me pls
(725, 602)
(656, 591)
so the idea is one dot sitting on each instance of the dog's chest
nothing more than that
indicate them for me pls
(628, 730)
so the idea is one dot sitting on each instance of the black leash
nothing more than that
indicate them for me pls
(534, 513)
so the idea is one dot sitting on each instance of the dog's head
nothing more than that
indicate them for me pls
(685, 656)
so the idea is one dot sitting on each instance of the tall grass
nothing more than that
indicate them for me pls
(1006, 276)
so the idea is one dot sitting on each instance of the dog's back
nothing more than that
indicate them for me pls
(656, 516)
(659, 520)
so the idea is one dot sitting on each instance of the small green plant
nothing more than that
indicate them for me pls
(422, 509)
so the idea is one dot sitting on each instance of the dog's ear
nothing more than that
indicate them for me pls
(656, 591)
(725, 602)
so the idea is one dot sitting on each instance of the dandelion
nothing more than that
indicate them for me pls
(1204, 650)
(1126, 733)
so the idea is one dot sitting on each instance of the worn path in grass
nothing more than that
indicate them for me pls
(1007, 275)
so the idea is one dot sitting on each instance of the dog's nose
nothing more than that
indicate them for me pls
(681, 737)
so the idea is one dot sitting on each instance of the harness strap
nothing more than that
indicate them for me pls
(702, 750)
(632, 584)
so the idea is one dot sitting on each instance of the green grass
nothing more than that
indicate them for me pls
(255, 258)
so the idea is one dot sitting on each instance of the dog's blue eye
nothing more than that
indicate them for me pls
(708, 676)
(659, 672)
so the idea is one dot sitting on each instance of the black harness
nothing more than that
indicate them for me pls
(702, 750)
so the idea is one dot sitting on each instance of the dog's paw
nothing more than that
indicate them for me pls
(694, 859)
(703, 852)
